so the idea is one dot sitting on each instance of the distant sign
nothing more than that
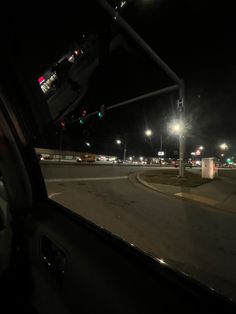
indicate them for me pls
(161, 153)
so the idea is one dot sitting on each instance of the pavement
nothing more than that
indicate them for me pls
(190, 236)
(219, 193)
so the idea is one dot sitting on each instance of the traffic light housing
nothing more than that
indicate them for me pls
(81, 120)
(101, 111)
(63, 124)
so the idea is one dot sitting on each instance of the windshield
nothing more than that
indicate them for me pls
(138, 135)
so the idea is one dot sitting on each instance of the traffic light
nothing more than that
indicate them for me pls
(101, 112)
(81, 120)
(63, 124)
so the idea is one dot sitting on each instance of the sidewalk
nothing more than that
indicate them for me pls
(220, 193)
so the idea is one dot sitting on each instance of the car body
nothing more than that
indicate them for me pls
(187, 164)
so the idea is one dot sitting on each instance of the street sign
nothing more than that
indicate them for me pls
(161, 153)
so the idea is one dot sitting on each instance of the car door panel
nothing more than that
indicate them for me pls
(100, 274)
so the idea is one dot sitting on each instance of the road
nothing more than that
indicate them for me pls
(193, 238)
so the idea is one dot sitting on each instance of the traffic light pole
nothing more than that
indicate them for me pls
(182, 134)
(153, 55)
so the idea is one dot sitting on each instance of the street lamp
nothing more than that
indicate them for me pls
(88, 144)
(148, 132)
(119, 143)
(201, 147)
(224, 146)
(176, 127)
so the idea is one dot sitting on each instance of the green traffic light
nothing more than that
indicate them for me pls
(100, 114)
(81, 121)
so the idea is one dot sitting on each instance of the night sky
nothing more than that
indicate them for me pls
(196, 39)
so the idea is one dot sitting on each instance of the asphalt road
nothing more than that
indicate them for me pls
(193, 238)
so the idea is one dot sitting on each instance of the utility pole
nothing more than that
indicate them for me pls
(161, 142)
(124, 148)
(180, 109)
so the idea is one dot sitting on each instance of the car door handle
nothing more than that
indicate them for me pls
(53, 257)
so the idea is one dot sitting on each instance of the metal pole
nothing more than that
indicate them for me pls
(151, 94)
(123, 103)
(136, 37)
(161, 143)
(181, 135)
(124, 149)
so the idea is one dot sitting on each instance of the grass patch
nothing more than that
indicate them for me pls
(170, 177)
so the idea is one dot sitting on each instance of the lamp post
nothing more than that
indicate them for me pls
(177, 127)
(119, 142)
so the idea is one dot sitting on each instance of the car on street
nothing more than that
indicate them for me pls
(187, 164)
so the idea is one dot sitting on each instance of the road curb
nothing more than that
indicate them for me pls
(149, 185)
(97, 164)
(213, 207)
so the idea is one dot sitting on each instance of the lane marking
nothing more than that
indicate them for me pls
(86, 179)
(197, 198)
(54, 194)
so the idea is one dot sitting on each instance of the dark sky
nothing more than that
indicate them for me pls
(196, 39)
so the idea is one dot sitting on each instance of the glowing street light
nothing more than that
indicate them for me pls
(224, 146)
(119, 142)
(88, 144)
(176, 127)
(148, 132)
(201, 147)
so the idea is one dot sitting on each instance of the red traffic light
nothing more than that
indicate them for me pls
(63, 124)
(84, 112)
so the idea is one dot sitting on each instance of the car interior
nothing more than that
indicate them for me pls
(52, 260)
